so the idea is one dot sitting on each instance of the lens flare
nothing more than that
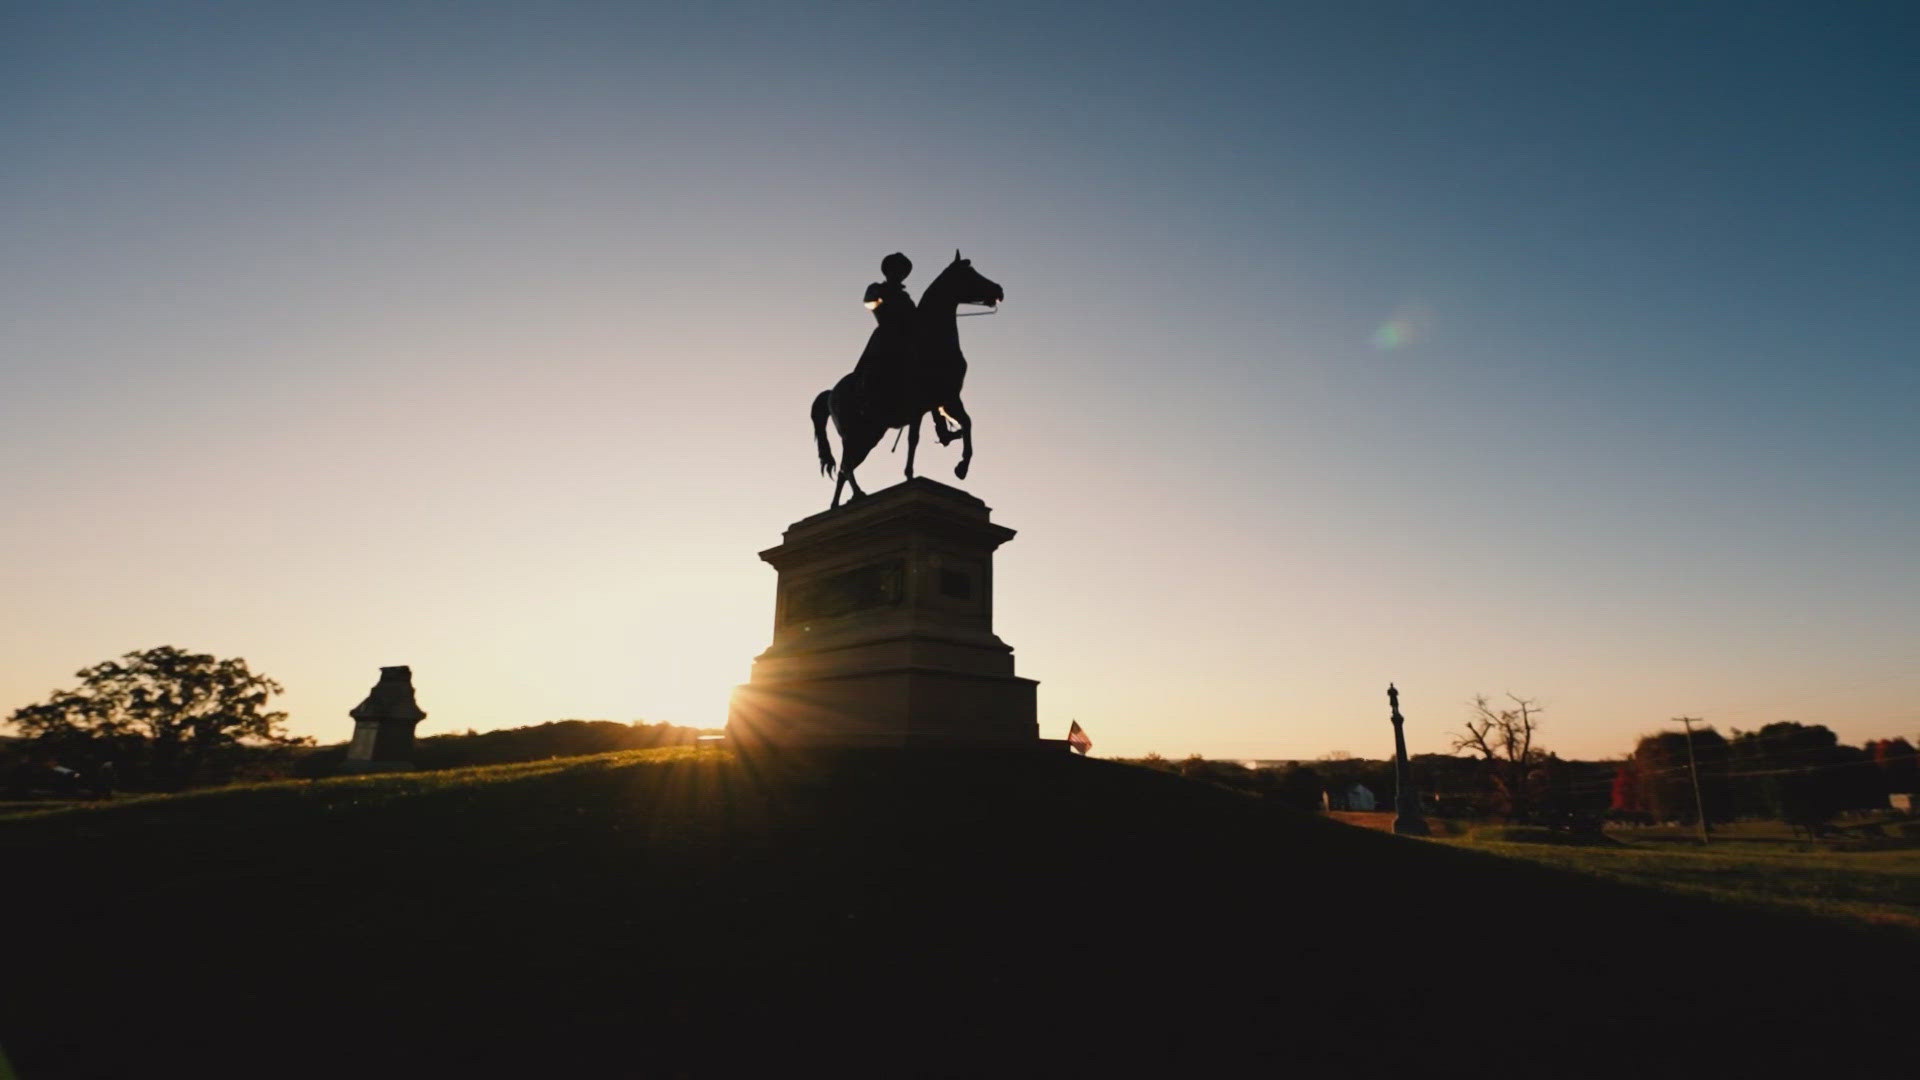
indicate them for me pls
(1406, 326)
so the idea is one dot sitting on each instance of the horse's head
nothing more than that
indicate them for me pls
(968, 285)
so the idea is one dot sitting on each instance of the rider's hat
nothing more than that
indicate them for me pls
(896, 267)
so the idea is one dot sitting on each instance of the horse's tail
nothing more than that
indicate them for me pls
(823, 408)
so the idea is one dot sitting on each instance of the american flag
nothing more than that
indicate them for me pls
(1078, 739)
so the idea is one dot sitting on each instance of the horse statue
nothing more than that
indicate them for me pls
(915, 368)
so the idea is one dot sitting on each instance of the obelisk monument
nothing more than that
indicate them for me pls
(1407, 819)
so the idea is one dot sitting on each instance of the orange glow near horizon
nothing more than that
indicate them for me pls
(332, 345)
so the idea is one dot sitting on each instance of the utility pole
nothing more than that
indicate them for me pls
(1693, 770)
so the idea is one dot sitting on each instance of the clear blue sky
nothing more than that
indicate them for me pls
(1561, 349)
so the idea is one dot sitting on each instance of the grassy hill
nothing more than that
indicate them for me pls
(681, 912)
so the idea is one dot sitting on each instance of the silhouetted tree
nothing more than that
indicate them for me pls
(1503, 739)
(1340, 774)
(1556, 779)
(164, 717)
(1300, 788)
(1801, 774)
(1895, 760)
(1662, 784)
(1455, 786)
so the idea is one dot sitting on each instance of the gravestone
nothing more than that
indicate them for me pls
(883, 632)
(383, 725)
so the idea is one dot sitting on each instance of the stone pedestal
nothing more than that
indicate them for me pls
(883, 632)
(383, 725)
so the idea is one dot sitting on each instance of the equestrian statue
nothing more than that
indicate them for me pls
(912, 366)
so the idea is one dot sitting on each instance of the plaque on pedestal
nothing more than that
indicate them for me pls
(883, 632)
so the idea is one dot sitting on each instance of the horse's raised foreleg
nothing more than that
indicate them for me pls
(913, 442)
(959, 413)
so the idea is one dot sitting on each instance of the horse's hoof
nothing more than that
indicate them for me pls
(960, 470)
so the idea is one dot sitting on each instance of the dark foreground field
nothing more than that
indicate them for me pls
(680, 913)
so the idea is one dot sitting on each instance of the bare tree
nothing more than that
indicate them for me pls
(1503, 737)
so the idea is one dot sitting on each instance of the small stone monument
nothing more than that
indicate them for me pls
(383, 725)
(1407, 820)
(883, 632)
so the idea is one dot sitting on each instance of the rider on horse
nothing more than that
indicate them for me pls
(912, 367)
(892, 307)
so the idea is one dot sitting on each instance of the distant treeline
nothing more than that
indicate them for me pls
(86, 767)
(167, 718)
(561, 738)
(1798, 773)
(1449, 785)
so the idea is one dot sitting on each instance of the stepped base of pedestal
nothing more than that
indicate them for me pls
(899, 708)
(883, 632)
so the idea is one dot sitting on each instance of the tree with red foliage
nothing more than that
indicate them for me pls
(1626, 789)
